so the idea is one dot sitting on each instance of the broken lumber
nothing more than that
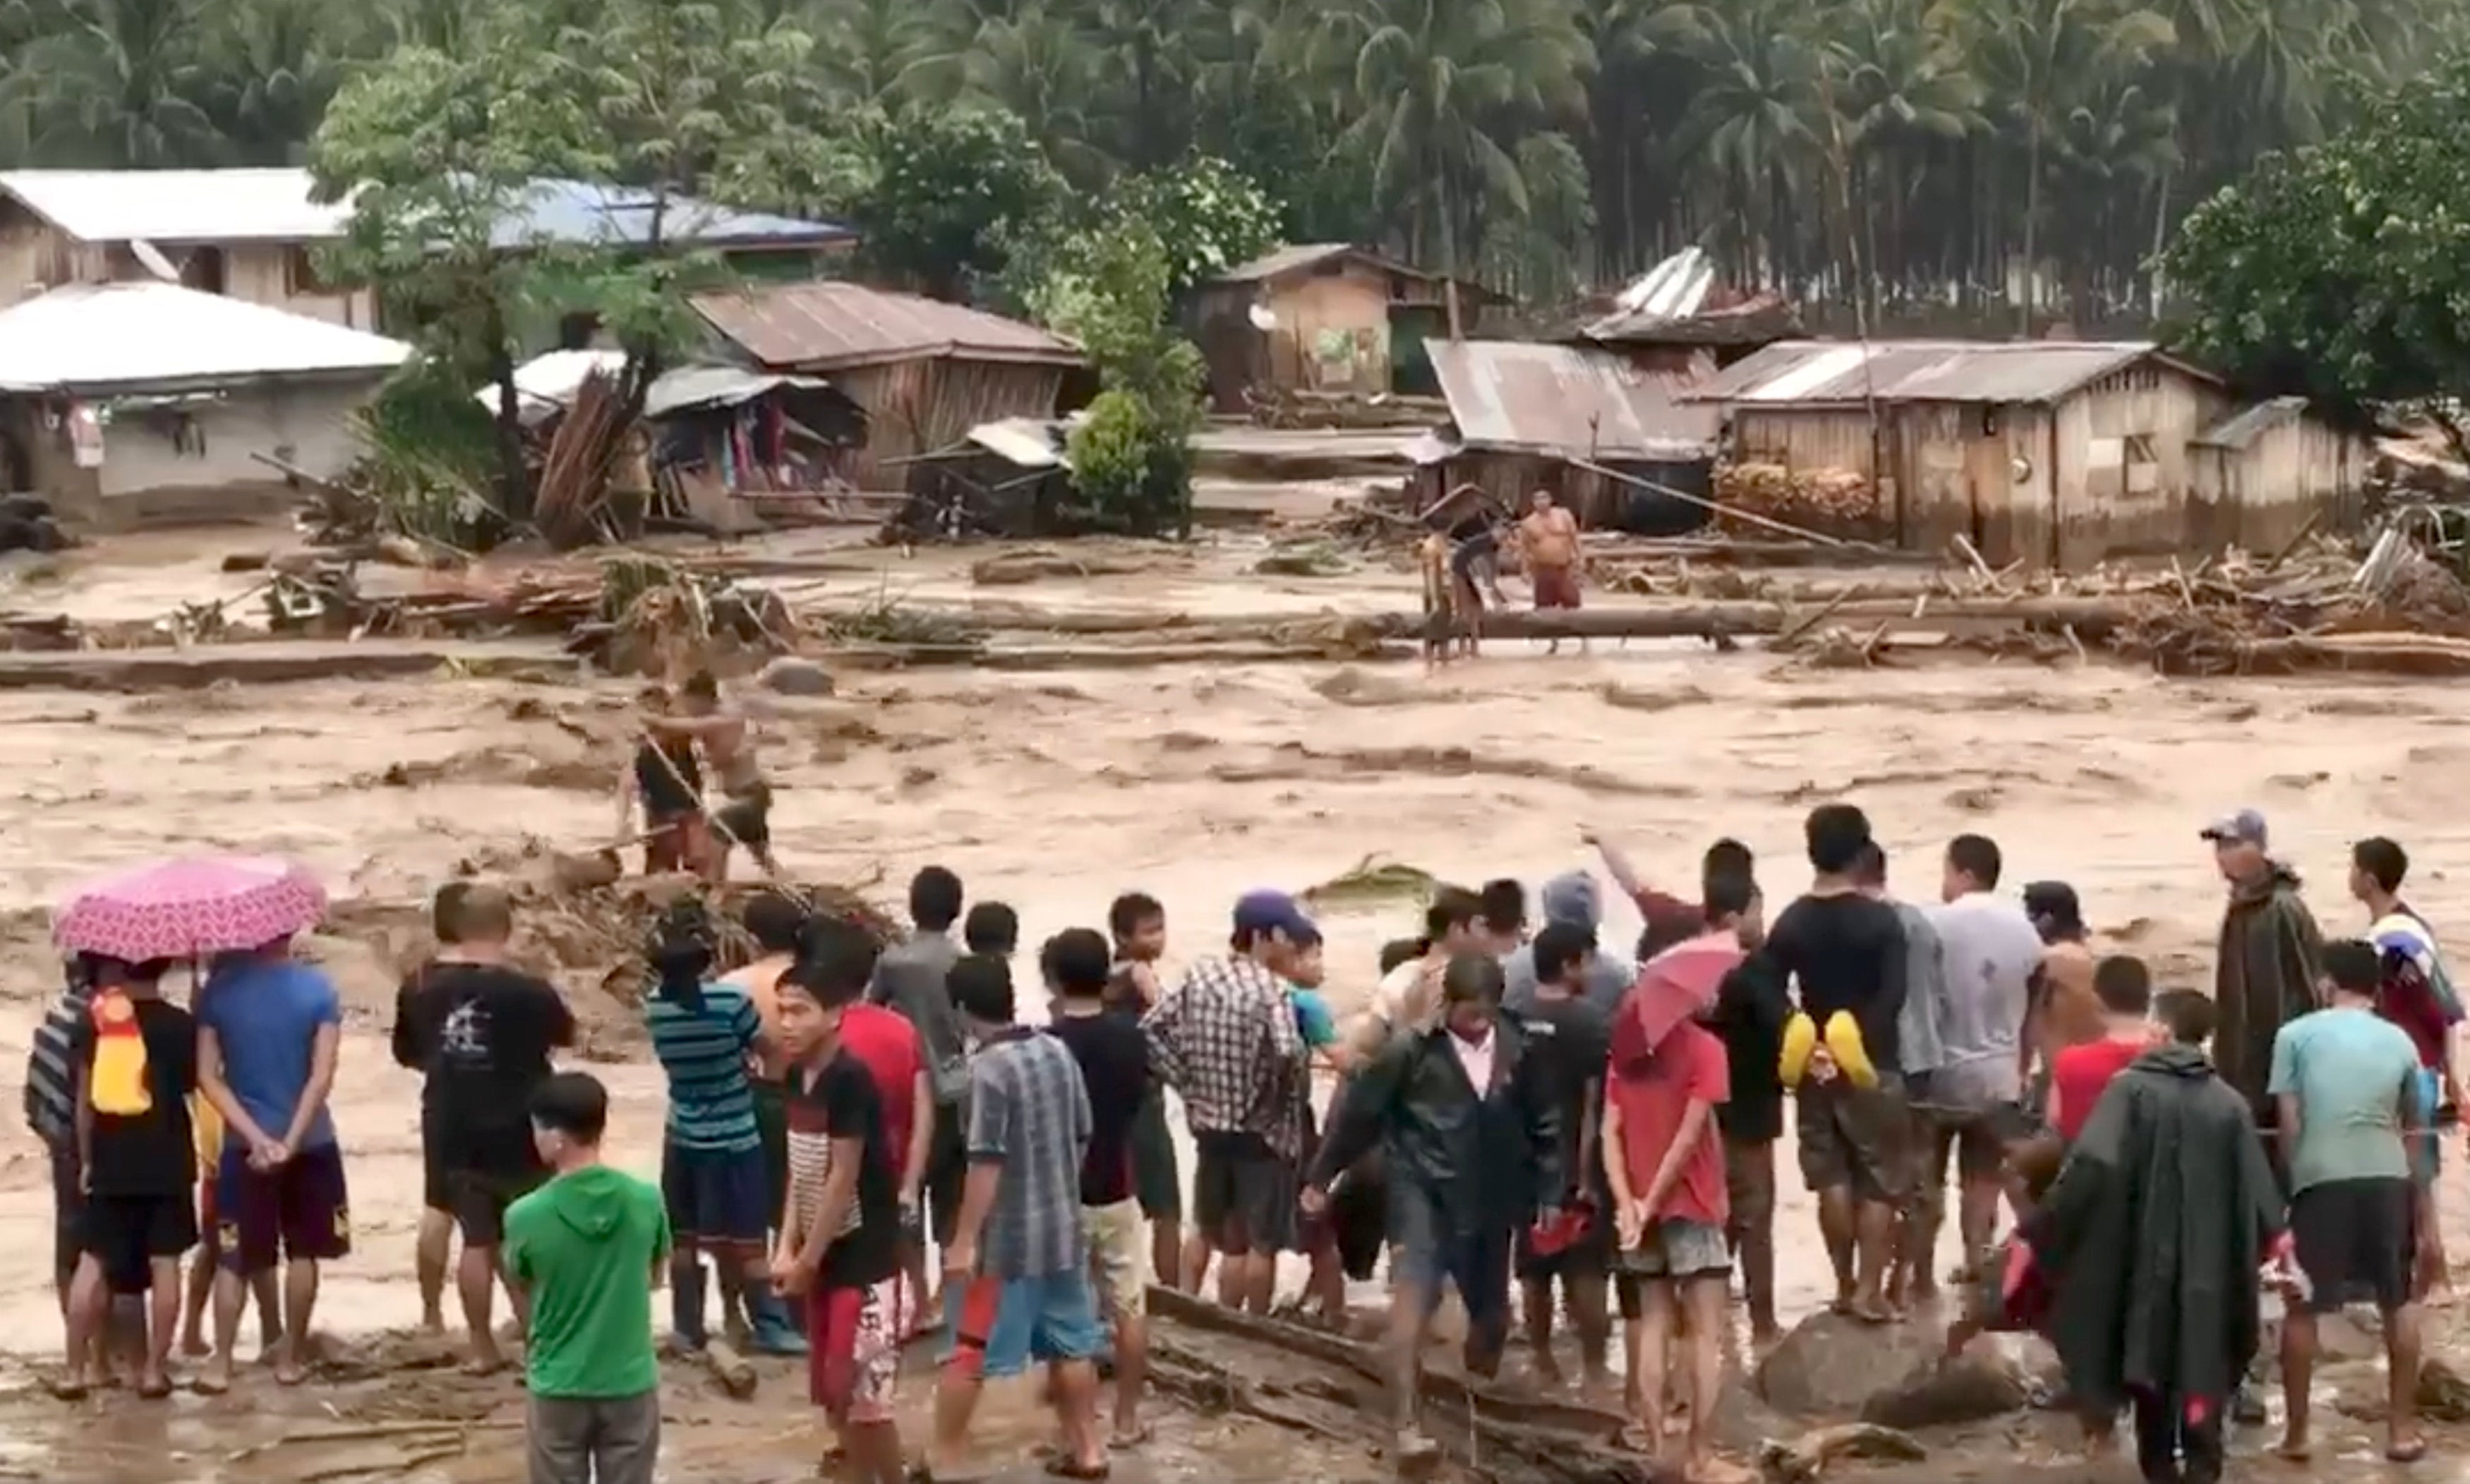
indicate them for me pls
(734, 1373)
(2089, 618)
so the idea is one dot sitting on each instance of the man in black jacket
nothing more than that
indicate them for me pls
(1469, 1124)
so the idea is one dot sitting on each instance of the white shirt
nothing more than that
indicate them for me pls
(1476, 1059)
(1988, 950)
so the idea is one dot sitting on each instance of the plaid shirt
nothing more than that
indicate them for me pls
(1226, 1039)
(1029, 1111)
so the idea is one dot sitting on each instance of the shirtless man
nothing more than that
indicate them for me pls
(667, 785)
(729, 745)
(1549, 539)
(2064, 1010)
(1440, 601)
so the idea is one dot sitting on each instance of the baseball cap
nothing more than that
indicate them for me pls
(1273, 911)
(2246, 827)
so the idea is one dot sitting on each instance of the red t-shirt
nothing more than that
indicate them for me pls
(2079, 1073)
(1689, 1067)
(887, 1044)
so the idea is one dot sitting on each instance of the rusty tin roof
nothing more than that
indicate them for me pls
(1520, 397)
(1835, 373)
(830, 326)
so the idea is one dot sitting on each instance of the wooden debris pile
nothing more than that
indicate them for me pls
(1831, 501)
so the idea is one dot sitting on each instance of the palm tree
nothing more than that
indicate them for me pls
(119, 82)
(1895, 86)
(275, 65)
(1439, 87)
(1750, 121)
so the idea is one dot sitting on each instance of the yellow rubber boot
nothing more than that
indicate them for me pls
(1852, 1057)
(1800, 1040)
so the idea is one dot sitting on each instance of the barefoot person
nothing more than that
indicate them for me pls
(2346, 1086)
(1474, 1153)
(1548, 537)
(1570, 1039)
(135, 1055)
(1844, 951)
(2417, 995)
(489, 1030)
(1115, 1061)
(1138, 923)
(728, 742)
(268, 1033)
(1664, 1156)
(774, 921)
(668, 788)
(2065, 1011)
(1016, 1273)
(587, 1249)
(840, 1234)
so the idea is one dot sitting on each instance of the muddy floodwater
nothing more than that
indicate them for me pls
(1056, 791)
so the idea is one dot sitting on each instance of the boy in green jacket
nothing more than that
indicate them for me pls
(587, 1249)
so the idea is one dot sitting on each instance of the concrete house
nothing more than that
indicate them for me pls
(129, 402)
(2058, 454)
(248, 234)
(1324, 317)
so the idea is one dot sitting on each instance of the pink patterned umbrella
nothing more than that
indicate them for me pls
(189, 908)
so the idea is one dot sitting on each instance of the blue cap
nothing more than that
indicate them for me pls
(1274, 912)
(2245, 827)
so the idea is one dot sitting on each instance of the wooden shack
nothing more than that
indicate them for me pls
(1325, 317)
(926, 372)
(2057, 453)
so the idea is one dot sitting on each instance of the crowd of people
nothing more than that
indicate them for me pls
(865, 1145)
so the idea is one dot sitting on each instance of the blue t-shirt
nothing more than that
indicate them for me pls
(265, 1014)
(2351, 1069)
(1313, 1021)
(711, 1104)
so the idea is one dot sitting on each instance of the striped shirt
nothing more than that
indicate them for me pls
(712, 1103)
(50, 1071)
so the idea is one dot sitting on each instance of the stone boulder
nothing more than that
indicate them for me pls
(1896, 1376)
(789, 675)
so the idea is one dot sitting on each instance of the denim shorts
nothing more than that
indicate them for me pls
(999, 1324)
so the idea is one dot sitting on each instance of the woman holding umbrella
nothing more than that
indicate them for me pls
(267, 1036)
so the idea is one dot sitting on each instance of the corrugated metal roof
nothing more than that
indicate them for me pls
(1029, 442)
(146, 335)
(177, 205)
(829, 326)
(1674, 289)
(690, 387)
(2243, 428)
(582, 213)
(1842, 372)
(1295, 258)
(1516, 396)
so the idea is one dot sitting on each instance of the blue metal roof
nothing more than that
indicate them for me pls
(580, 212)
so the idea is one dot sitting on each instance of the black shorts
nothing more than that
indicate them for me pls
(128, 1234)
(747, 816)
(1244, 1194)
(1156, 1179)
(478, 1199)
(2355, 1241)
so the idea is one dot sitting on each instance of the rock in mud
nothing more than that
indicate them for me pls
(1833, 1365)
(793, 676)
(1940, 1392)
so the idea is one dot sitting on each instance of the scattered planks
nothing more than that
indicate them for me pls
(574, 476)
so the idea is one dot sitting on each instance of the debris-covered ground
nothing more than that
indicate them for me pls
(1056, 790)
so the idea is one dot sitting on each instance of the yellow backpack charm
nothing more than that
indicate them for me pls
(118, 1084)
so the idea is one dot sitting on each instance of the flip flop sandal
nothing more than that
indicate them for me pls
(208, 1386)
(154, 1390)
(68, 1390)
(2407, 1452)
(1060, 1467)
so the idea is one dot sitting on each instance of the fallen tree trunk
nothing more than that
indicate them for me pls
(1335, 1387)
(2091, 619)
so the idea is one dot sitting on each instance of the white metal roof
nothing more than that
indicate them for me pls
(146, 335)
(177, 205)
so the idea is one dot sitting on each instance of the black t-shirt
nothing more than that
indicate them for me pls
(850, 1106)
(482, 1033)
(1114, 1057)
(1847, 953)
(153, 1152)
(1569, 1041)
(1750, 1012)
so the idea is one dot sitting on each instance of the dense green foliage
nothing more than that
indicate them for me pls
(2342, 272)
(1920, 150)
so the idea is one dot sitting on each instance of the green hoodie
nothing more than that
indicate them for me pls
(585, 1247)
